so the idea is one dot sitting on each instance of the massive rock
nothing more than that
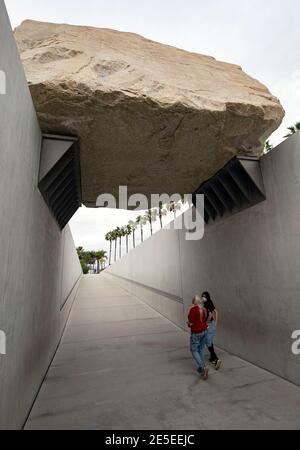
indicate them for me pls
(150, 116)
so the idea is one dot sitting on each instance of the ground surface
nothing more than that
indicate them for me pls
(121, 365)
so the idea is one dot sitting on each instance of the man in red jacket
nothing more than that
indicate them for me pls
(197, 321)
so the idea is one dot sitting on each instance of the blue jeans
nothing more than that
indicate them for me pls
(211, 333)
(198, 342)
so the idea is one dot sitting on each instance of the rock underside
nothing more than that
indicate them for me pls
(153, 117)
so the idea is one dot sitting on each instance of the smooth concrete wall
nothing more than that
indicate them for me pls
(39, 267)
(70, 276)
(154, 267)
(250, 262)
(170, 306)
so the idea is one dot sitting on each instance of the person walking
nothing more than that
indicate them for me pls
(197, 322)
(212, 319)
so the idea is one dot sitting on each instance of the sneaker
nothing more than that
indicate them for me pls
(218, 364)
(200, 371)
(205, 373)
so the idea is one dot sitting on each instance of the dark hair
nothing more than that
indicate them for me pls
(207, 296)
(209, 304)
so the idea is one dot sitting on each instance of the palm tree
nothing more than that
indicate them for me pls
(268, 146)
(83, 258)
(127, 232)
(133, 225)
(114, 238)
(174, 207)
(293, 129)
(109, 238)
(147, 218)
(102, 262)
(120, 234)
(155, 215)
(141, 222)
(80, 253)
(151, 217)
(100, 257)
(161, 213)
(92, 258)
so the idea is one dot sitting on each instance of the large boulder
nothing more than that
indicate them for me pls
(150, 116)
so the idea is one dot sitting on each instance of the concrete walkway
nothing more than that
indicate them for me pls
(121, 365)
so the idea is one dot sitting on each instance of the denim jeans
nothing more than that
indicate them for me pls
(198, 342)
(211, 333)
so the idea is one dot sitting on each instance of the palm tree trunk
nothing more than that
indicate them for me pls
(133, 237)
(116, 250)
(127, 243)
(110, 250)
(160, 219)
(151, 228)
(142, 234)
(120, 248)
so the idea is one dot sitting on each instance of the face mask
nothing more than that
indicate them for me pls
(204, 299)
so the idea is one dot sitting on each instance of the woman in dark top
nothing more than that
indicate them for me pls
(212, 328)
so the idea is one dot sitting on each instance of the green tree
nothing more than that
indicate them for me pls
(101, 256)
(80, 253)
(127, 232)
(151, 217)
(115, 239)
(103, 262)
(109, 238)
(293, 129)
(174, 207)
(133, 225)
(119, 233)
(83, 256)
(91, 259)
(141, 222)
(268, 146)
(85, 268)
(161, 213)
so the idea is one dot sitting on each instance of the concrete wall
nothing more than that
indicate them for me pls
(155, 269)
(39, 266)
(250, 263)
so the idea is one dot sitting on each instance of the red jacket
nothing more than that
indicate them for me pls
(198, 319)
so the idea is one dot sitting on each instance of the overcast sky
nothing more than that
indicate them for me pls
(261, 36)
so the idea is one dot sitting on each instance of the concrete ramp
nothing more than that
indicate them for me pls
(121, 365)
(248, 261)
